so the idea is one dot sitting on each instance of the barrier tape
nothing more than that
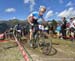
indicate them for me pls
(22, 50)
(1, 35)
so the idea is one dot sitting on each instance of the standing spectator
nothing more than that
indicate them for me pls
(68, 30)
(46, 27)
(58, 30)
(72, 28)
(11, 33)
(63, 28)
(17, 29)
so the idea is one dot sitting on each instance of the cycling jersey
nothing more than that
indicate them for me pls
(36, 17)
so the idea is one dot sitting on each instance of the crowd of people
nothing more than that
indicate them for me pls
(66, 29)
(63, 30)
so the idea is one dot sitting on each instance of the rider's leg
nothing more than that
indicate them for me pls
(31, 33)
(72, 35)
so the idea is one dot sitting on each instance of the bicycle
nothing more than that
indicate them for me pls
(39, 41)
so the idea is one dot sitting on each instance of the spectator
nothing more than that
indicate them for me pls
(46, 27)
(67, 30)
(58, 30)
(17, 29)
(63, 28)
(72, 28)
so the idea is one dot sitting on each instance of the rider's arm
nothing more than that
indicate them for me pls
(30, 19)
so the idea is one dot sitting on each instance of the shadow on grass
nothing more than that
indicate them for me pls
(55, 44)
(8, 47)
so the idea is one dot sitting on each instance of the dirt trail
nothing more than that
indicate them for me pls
(57, 54)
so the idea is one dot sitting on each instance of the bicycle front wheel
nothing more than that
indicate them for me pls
(47, 47)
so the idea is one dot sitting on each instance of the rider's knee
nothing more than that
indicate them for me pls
(31, 31)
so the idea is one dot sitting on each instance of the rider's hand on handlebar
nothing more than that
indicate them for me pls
(32, 24)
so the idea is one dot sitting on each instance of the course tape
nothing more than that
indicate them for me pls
(22, 50)
(1, 35)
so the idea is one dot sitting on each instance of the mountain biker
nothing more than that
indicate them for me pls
(34, 17)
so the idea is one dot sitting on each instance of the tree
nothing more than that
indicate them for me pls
(3, 27)
(54, 22)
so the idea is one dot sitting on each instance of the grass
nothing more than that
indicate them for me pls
(66, 45)
(62, 42)
(10, 52)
